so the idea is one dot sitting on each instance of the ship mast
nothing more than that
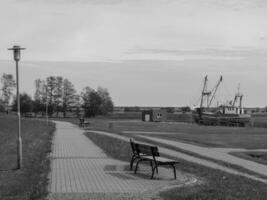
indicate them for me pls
(204, 91)
(206, 94)
(215, 90)
(239, 96)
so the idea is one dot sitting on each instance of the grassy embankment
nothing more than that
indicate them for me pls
(31, 181)
(207, 136)
(215, 184)
(258, 156)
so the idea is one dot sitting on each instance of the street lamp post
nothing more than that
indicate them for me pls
(16, 53)
(46, 106)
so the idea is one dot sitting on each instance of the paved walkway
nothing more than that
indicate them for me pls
(261, 169)
(81, 170)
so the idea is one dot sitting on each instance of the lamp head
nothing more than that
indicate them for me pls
(16, 52)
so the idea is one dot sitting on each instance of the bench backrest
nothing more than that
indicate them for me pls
(145, 149)
(133, 146)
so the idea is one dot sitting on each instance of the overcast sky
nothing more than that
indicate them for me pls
(146, 52)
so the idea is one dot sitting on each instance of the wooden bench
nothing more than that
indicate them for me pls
(144, 152)
(83, 123)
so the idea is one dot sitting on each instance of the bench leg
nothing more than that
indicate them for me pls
(174, 171)
(151, 164)
(153, 171)
(136, 166)
(134, 157)
(131, 163)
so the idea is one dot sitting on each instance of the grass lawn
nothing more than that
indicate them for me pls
(248, 138)
(259, 157)
(215, 184)
(260, 121)
(209, 136)
(31, 181)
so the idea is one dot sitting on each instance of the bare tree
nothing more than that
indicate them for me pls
(8, 85)
(69, 97)
(40, 97)
(58, 94)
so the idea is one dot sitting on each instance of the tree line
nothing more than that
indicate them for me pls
(56, 94)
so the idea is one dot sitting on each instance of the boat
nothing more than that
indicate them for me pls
(230, 113)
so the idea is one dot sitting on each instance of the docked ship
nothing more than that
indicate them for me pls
(231, 113)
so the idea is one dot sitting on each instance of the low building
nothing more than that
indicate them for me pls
(119, 109)
(154, 115)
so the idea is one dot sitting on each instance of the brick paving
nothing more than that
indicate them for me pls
(81, 170)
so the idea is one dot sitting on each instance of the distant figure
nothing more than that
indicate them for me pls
(81, 121)
(84, 123)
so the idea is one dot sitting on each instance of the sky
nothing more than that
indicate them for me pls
(146, 52)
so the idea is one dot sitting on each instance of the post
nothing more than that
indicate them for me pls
(19, 141)
(46, 108)
(16, 53)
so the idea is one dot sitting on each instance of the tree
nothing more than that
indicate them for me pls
(85, 96)
(26, 103)
(50, 89)
(96, 102)
(106, 101)
(39, 96)
(170, 109)
(185, 109)
(69, 97)
(8, 85)
(2, 106)
(58, 94)
(54, 86)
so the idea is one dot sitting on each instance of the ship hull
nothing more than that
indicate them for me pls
(207, 118)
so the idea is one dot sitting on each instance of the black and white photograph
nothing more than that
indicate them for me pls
(133, 100)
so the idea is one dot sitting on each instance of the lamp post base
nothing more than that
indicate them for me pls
(19, 158)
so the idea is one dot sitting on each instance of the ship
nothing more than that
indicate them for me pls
(230, 113)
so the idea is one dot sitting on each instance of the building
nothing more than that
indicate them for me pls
(119, 109)
(154, 115)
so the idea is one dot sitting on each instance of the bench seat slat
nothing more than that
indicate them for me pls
(166, 160)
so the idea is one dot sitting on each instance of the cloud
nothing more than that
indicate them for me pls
(86, 30)
(93, 2)
(106, 2)
(204, 53)
(263, 38)
(231, 4)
